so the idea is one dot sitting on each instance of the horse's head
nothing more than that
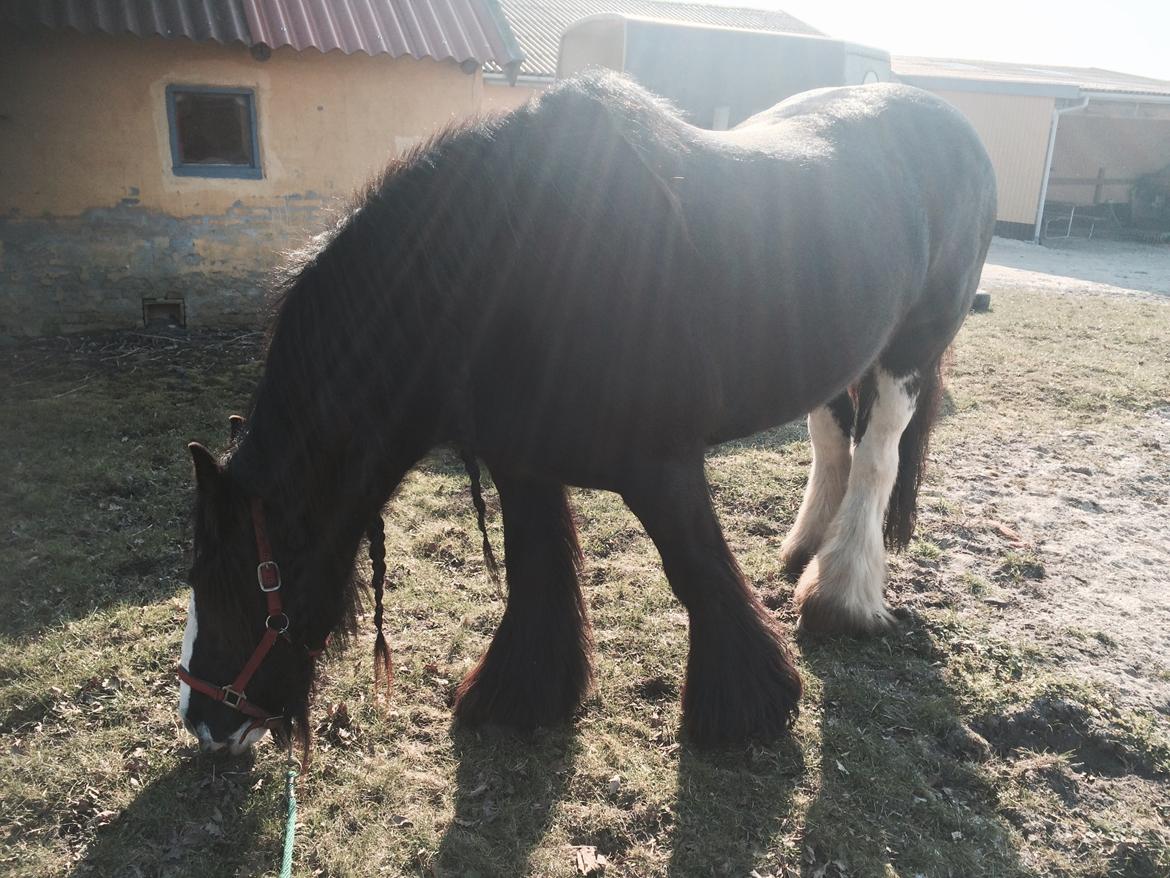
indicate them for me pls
(246, 664)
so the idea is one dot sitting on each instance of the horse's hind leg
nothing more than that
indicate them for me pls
(842, 587)
(537, 668)
(741, 684)
(830, 429)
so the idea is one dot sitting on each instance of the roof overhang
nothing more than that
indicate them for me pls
(469, 32)
(1018, 89)
(1057, 90)
(1026, 80)
(673, 24)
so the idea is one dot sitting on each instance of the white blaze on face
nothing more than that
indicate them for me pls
(241, 739)
(189, 635)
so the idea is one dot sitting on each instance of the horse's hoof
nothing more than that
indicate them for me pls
(793, 561)
(739, 693)
(826, 607)
(518, 696)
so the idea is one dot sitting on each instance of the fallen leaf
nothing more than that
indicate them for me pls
(1006, 532)
(589, 862)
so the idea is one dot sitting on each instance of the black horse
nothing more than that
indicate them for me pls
(589, 291)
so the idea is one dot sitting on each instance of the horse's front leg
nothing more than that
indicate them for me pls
(537, 669)
(741, 684)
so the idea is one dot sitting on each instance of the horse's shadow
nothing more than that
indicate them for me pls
(206, 810)
(887, 780)
(730, 809)
(506, 800)
(900, 783)
(894, 786)
(505, 797)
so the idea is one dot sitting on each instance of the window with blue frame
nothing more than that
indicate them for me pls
(213, 132)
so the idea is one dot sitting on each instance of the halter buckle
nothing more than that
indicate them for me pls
(266, 569)
(232, 698)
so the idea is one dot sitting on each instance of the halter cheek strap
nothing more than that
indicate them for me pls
(275, 625)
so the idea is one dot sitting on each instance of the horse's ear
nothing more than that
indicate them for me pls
(235, 427)
(206, 467)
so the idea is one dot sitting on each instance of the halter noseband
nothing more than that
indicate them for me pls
(275, 625)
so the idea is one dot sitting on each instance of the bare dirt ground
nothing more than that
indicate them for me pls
(1015, 723)
(1094, 515)
(1079, 265)
(1088, 507)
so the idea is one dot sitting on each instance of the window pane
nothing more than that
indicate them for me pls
(214, 129)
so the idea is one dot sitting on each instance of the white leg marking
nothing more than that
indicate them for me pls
(845, 581)
(827, 481)
(189, 635)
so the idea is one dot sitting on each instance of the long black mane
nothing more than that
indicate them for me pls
(383, 310)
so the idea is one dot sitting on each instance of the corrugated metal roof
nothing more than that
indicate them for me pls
(219, 20)
(539, 24)
(458, 30)
(1040, 75)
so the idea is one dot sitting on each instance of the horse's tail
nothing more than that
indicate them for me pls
(902, 510)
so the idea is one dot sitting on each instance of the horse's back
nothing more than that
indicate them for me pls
(921, 158)
(885, 145)
(828, 222)
(677, 285)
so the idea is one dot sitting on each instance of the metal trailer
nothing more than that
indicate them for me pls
(717, 76)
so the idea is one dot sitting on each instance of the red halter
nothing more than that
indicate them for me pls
(275, 625)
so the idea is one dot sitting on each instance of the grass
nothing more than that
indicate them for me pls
(951, 747)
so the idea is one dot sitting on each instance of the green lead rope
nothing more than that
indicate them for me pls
(290, 824)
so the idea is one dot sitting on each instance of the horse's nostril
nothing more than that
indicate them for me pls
(207, 743)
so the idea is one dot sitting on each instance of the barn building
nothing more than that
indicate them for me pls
(1076, 151)
(539, 25)
(156, 156)
(717, 76)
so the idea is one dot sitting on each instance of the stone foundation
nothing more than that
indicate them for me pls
(92, 272)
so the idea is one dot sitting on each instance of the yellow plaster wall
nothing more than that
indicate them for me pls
(83, 120)
(499, 97)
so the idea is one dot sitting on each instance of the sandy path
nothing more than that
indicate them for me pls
(1093, 506)
(1079, 265)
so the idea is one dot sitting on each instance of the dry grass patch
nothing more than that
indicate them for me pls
(958, 745)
